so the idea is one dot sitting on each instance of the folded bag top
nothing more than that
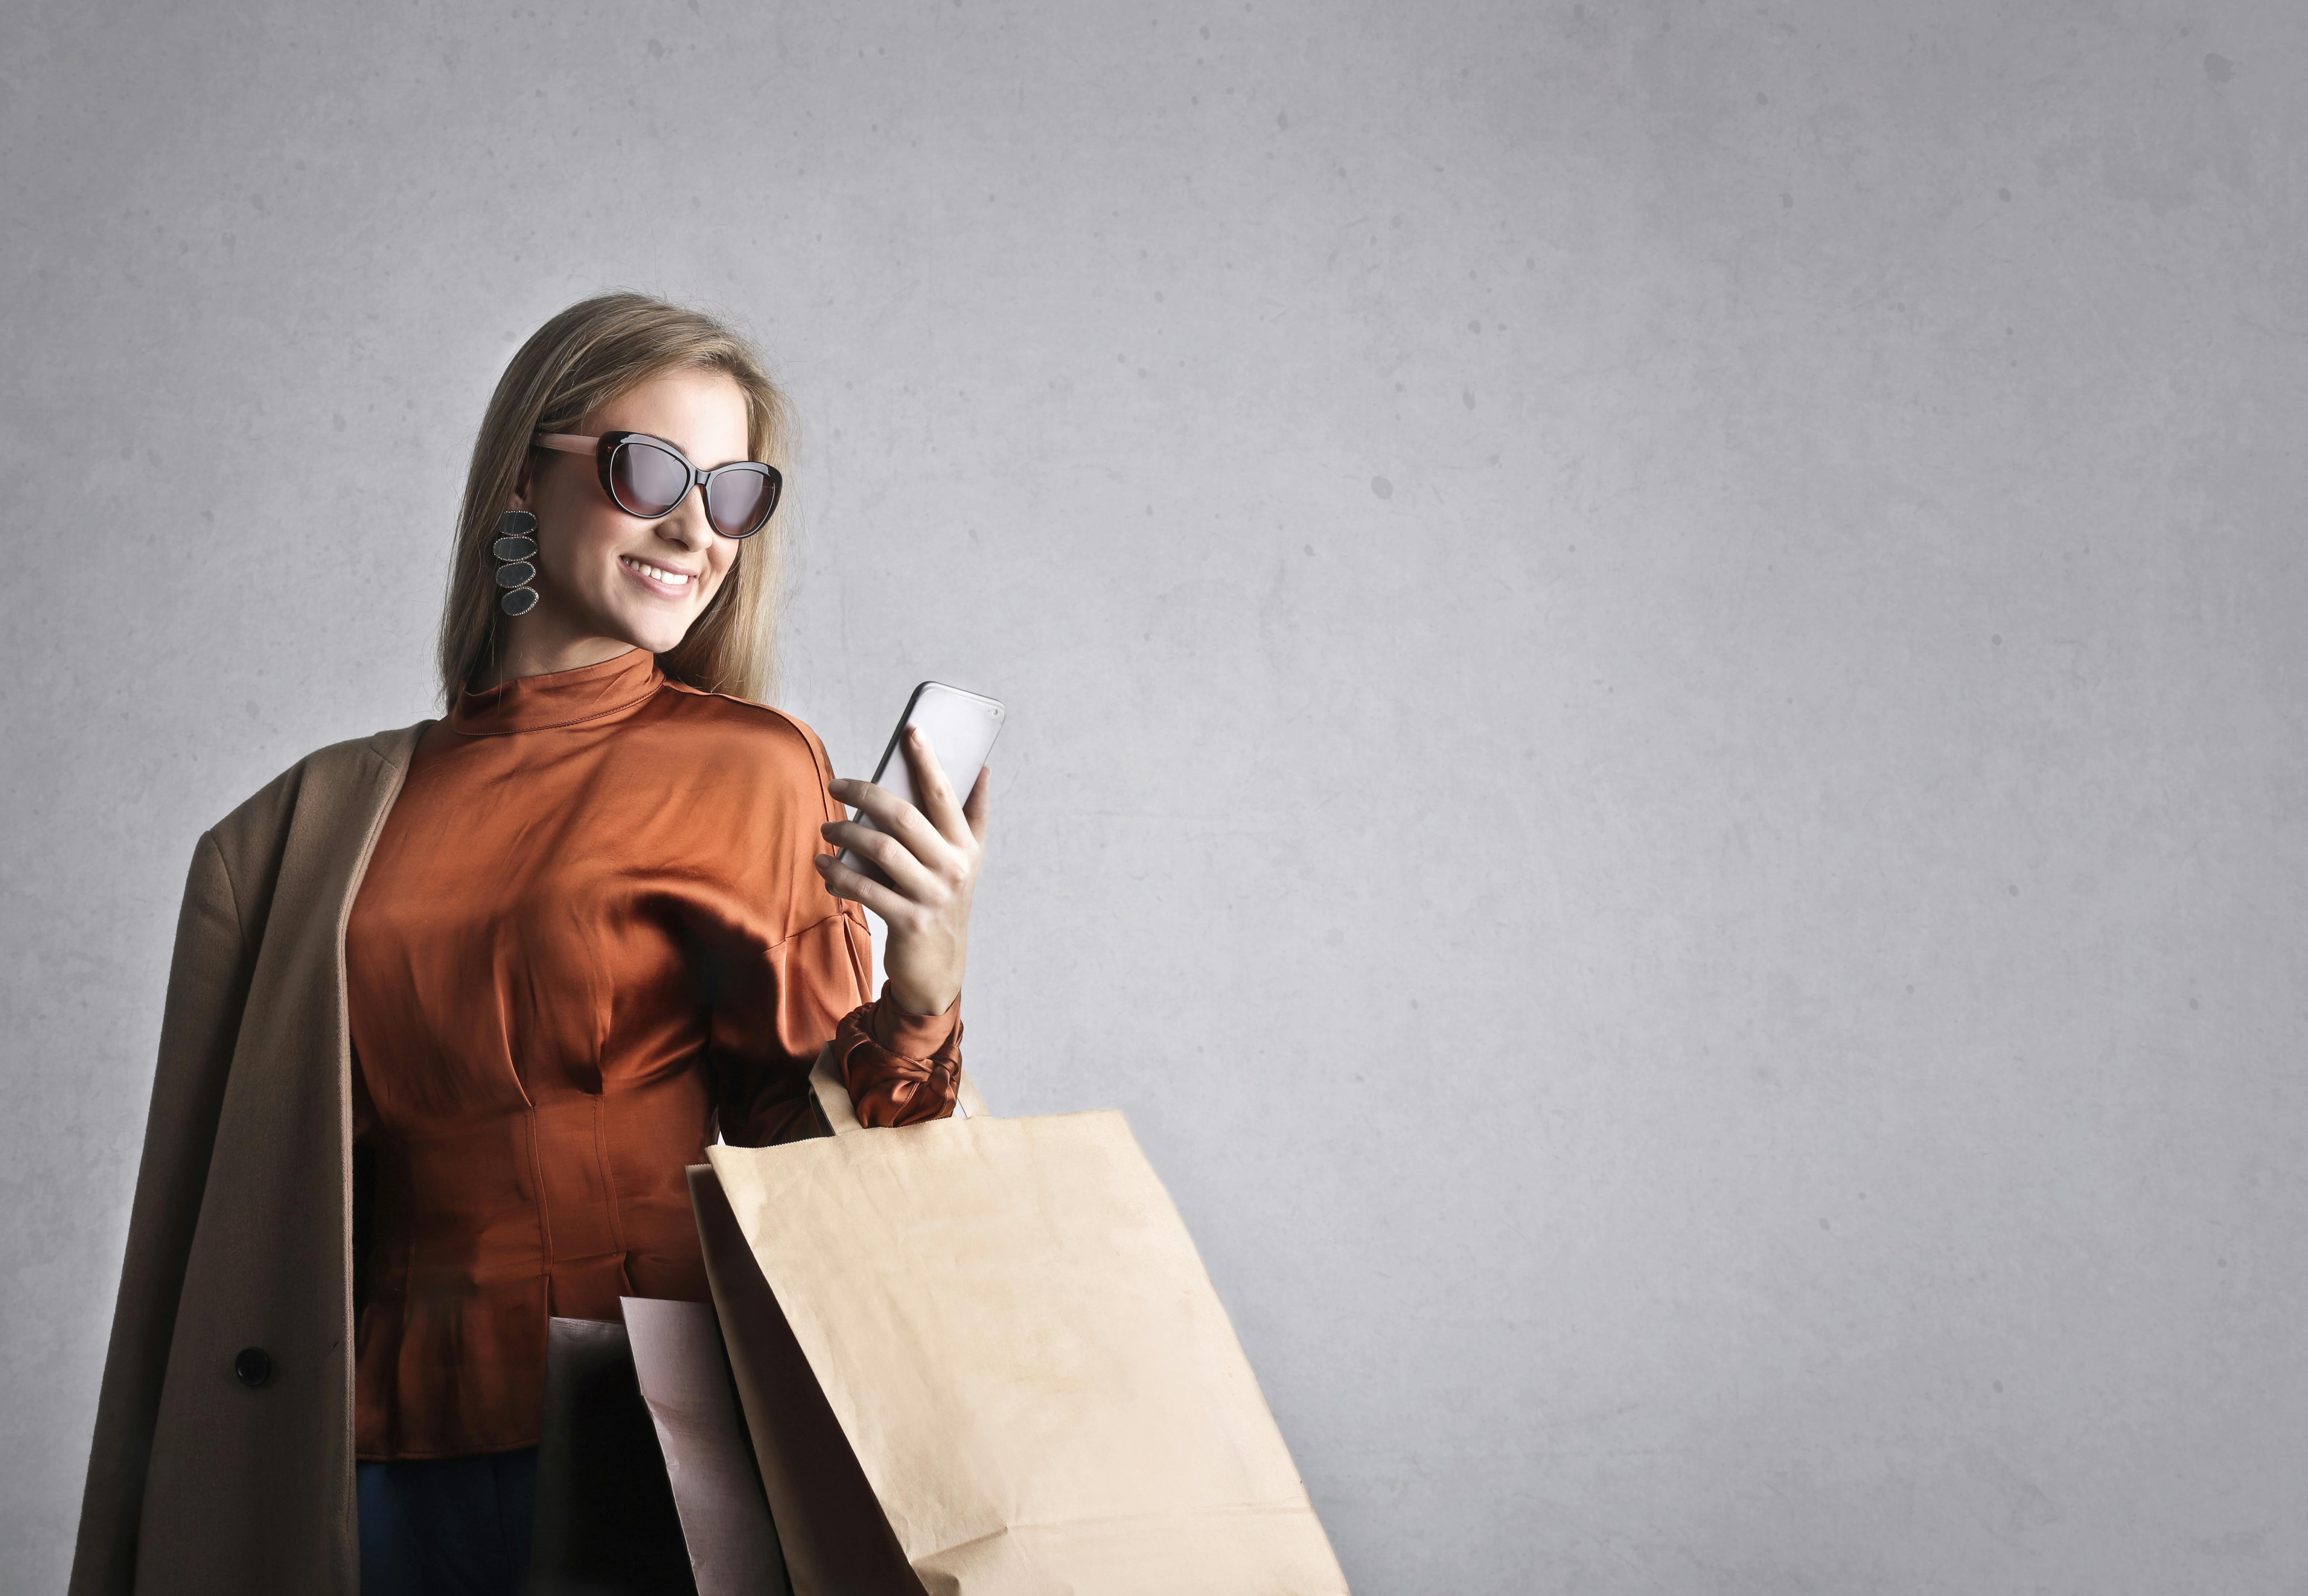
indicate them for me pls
(1006, 1326)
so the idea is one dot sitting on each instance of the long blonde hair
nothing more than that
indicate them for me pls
(578, 361)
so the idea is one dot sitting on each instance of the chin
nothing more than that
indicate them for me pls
(655, 635)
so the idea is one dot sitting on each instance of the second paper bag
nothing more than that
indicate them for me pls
(1023, 1354)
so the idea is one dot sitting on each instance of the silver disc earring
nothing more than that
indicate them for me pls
(516, 551)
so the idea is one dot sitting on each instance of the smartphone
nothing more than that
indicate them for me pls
(960, 727)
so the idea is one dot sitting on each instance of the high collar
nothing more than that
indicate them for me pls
(557, 697)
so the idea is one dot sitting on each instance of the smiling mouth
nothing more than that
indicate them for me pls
(679, 580)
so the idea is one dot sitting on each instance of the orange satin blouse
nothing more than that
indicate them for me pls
(588, 936)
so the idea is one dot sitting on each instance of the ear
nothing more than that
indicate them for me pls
(519, 499)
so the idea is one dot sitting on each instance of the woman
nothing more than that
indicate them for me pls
(453, 1006)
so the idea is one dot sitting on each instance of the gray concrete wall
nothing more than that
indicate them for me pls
(1656, 651)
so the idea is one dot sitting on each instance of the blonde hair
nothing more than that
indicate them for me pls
(577, 362)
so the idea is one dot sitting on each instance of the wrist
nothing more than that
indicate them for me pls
(920, 1004)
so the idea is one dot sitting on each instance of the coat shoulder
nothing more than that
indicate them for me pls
(250, 837)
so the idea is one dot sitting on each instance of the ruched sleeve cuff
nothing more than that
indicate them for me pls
(901, 1068)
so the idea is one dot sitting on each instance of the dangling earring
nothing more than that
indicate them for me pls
(516, 550)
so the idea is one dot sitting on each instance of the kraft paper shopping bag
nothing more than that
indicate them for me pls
(981, 1357)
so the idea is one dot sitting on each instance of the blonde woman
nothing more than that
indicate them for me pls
(453, 1006)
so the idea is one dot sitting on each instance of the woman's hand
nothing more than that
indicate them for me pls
(931, 855)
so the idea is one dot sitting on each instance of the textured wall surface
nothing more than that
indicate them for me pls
(1656, 652)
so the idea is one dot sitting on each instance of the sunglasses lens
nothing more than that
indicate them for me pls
(646, 480)
(739, 501)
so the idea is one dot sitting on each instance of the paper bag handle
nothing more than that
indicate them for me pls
(841, 1114)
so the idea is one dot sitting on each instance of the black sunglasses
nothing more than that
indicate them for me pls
(648, 477)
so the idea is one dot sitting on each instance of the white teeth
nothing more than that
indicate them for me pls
(672, 579)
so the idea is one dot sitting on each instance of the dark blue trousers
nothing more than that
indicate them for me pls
(447, 1526)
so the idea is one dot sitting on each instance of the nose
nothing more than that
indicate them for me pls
(686, 527)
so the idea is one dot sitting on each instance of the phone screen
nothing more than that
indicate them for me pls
(960, 727)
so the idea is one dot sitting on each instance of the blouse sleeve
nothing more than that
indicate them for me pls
(901, 1068)
(766, 1031)
(776, 1003)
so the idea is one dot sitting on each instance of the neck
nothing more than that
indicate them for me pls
(524, 648)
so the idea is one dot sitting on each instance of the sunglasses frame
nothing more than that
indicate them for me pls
(603, 448)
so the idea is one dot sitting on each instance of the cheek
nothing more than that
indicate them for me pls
(576, 538)
(723, 569)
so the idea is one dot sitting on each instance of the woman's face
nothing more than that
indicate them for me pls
(607, 575)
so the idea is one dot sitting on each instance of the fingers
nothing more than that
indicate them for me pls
(930, 859)
(910, 874)
(892, 813)
(845, 882)
(937, 793)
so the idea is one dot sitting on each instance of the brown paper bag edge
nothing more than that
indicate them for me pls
(834, 1108)
(829, 1523)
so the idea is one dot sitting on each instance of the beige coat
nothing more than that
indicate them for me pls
(241, 1235)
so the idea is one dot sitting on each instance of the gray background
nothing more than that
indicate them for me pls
(1656, 652)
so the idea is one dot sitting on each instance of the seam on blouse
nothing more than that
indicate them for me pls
(803, 931)
(800, 733)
